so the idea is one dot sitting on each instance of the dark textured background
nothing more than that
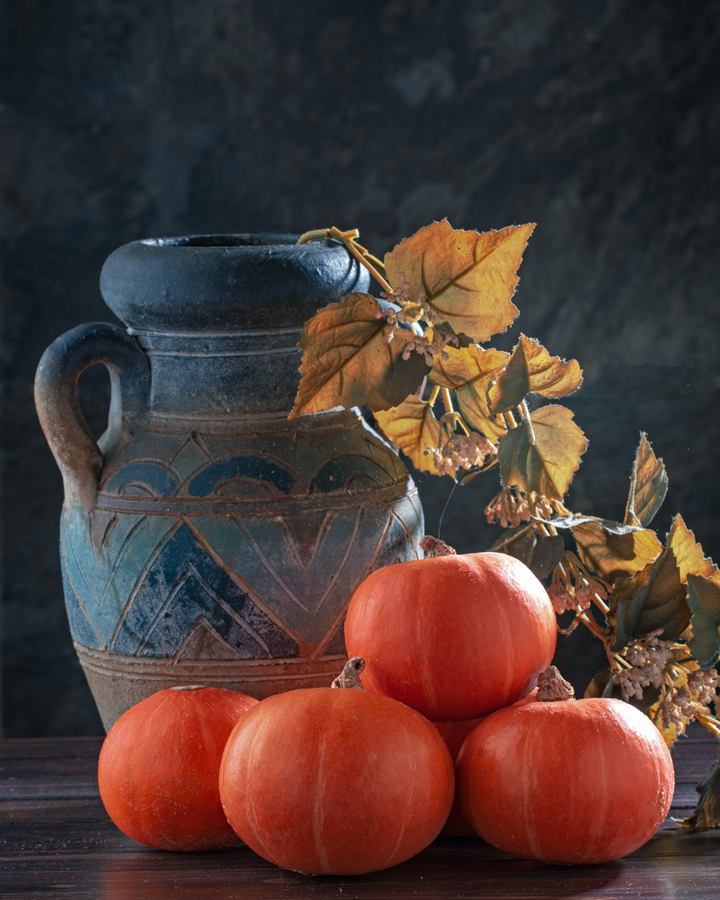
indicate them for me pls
(597, 119)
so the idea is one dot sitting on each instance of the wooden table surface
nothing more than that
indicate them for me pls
(56, 841)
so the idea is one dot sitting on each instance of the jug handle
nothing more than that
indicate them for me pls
(75, 450)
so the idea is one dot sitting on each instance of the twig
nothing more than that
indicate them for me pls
(525, 416)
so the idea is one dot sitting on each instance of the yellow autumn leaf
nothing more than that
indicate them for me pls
(704, 600)
(465, 277)
(648, 485)
(546, 466)
(412, 426)
(689, 554)
(650, 600)
(531, 370)
(348, 362)
(615, 551)
(670, 730)
(469, 372)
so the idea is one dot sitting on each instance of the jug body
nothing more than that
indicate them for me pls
(207, 538)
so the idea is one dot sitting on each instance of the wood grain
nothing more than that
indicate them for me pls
(56, 841)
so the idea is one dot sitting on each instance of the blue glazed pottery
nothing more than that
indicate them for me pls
(206, 538)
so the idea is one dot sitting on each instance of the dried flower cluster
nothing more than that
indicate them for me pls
(410, 312)
(573, 587)
(511, 506)
(648, 659)
(430, 347)
(682, 703)
(661, 677)
(461, 452)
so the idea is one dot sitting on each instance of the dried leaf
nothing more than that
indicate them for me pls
(670, 730)
(466, 277)
(347, 361)
(548, 465)
(613, 689)
(707, 812)
(469, 372)
(651, 599)
(648, 485)
(413, 427)
(610, 550)
(599, 683)
(704, 600)
(540, 553)
(689, 553)
(676, 707)
(531, 370)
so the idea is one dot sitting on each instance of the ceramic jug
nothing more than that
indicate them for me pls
(206, 538)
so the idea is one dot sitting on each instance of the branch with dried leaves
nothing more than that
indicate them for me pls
(415, 357)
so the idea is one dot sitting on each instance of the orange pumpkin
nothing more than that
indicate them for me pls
(338, 782)
(454, 734)
(455, 637)
(159, 764)
(570, 781)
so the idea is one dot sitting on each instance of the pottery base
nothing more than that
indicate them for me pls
(118, 682)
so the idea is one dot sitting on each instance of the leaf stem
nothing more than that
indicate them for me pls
(593, 625)
(621, 661)
(447, 400)
(451, 420)
(347, 239)
(600, 603)
(498, 545)
(572, 626)
(525, 416)
(710, 722)
(493, 464)
(435, 394)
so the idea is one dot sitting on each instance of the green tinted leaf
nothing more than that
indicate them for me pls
(413, 427)
(466, 277)
(469, 372)
(548, 465)
(531, 370)
(707, 812)
(652, 599)
(704, 600)
(540, 553)
(597, 686)
(648, 485)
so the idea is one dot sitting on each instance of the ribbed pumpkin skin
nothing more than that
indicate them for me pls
(335, 782)
(159, 765)
(455, 637)
(573, 782)
(454, 734)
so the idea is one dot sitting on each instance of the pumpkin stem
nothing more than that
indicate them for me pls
(552, 686)
(349, 678)
(435, 547)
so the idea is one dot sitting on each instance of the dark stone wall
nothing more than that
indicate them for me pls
(599, 120)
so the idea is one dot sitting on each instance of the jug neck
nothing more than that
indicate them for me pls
(222, 373)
